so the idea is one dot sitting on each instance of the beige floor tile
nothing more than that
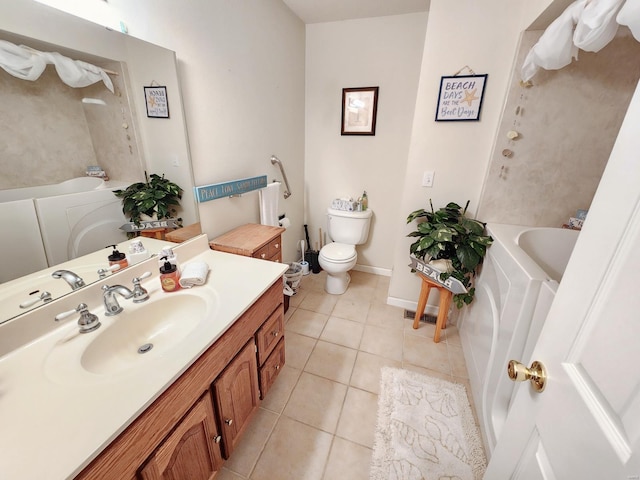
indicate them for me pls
(298, 348)
(296, 300)
(456, 360)
(366, 371)
(246, 454)
(307, 323)
(383, 315)
(363, 278)
(385, 342)
(348, 460)
(316, 401)
(452, 336)
(424, 353)
(314, 282)
(281, 389)
(289, 313)
(343, 332)
(359, 292)
(225, 474)
(331, 361)
(294, 452)
(359, 416)
(425, 329)
(351, 309)
(318, 302)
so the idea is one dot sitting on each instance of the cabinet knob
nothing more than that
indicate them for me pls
(217, 439)
(277, 245)
(264, 255)
(275, 333)
(277, 367)
(229, 421)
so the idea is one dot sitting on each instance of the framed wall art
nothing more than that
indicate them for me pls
(157, 102)
(359, 109)
(460, 98)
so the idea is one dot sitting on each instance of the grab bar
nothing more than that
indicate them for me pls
(276, 161)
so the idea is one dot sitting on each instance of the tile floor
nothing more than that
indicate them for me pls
(318, 420)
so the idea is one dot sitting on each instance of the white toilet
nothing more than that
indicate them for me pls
(346, 229)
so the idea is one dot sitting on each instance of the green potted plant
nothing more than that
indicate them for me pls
(448, 235)
(154, 199)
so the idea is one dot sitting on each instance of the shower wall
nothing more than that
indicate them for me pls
(567, 123)
(48, 135)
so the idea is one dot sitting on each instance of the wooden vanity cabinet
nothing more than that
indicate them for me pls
(191, 451)
(252, 240)
(176, 437)
(237, 396)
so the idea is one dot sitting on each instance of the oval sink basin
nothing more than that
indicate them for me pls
(146, 331)
(124, 342)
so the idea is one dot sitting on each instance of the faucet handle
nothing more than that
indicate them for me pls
(88, 322)
(44, 296)
(140, 294)
(102, 272)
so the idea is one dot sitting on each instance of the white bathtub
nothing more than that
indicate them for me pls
(514, 291)
(50, 224)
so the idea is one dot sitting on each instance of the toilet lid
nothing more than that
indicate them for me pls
(338, 252)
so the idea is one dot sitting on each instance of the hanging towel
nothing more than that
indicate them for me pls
(269, 204)
(194, 273)
(629, 15)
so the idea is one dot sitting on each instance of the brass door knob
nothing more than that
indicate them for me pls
(536, 374)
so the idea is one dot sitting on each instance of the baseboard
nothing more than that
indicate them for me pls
(386, 272)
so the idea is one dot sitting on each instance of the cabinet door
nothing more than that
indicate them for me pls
(237, 395)
(192, 451)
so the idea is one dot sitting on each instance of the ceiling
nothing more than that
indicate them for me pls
(317, 11)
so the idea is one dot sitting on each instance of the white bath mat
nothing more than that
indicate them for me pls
(425, 430)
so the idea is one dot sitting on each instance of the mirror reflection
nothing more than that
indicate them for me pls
(56, 217)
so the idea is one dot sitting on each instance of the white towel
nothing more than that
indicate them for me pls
(269, 197)
(194, 273)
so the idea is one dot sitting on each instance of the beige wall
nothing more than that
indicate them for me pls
(568, 122)
(383, 52)
(484, 36)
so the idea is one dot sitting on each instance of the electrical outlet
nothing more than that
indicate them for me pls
(427, 178)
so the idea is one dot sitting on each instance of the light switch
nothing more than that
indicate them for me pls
(427, 178)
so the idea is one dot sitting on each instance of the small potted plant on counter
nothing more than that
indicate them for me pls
(451, 243)
(154, 199)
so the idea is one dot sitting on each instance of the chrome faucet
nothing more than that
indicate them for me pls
(111, 305)
(74, 281)
(88, 322)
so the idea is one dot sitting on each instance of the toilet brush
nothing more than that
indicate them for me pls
(303, 262)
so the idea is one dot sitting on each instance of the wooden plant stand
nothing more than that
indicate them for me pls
(443, 308)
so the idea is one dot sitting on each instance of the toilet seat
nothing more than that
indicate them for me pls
(338, 252)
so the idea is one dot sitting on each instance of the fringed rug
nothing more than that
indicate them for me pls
(425, 430)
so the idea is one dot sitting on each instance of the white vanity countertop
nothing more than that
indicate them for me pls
(51, 428)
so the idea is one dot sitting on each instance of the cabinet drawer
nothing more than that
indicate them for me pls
(269, 334)
(262, 253)
(271, 368)
(275, 246)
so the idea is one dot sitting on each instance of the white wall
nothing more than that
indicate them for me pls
(384, 52)
(241, 67)
(484, 36)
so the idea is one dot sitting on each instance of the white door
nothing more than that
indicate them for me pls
(586, 423)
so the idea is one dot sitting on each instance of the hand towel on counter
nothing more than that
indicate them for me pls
(194, 273)
(269, 204)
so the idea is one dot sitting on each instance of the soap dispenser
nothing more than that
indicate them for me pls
(117, 258)
(169, 276)
(365, 201)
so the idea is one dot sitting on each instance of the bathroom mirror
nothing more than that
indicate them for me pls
(64, 130)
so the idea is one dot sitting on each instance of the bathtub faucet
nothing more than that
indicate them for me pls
(74, 281)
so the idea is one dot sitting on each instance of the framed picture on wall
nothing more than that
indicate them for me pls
(157, 102)
(359, 109)
(460, 98)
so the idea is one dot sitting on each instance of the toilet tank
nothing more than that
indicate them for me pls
(351, 228)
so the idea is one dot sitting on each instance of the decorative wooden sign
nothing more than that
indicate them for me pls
(166, 223)
(218, 190)
(452, 284)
